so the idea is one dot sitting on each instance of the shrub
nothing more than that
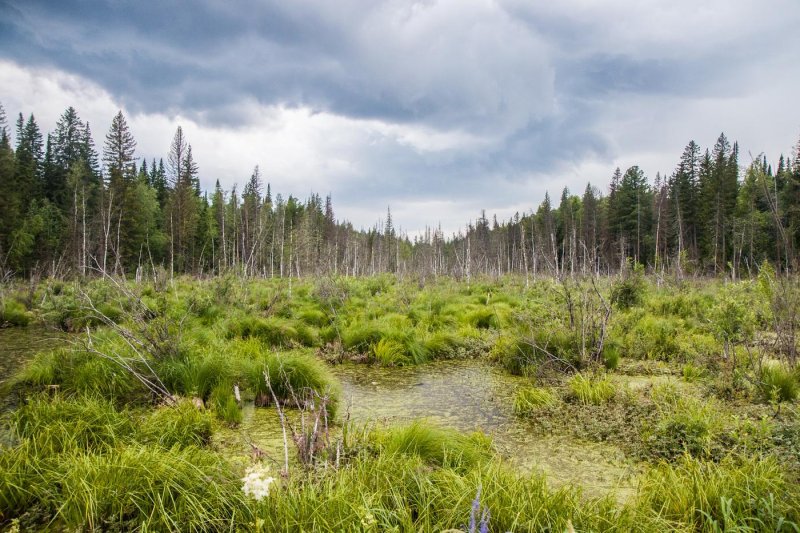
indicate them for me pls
(611, 356)
(629, 291)
(655, 338)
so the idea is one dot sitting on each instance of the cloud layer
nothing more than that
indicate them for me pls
(439, 108)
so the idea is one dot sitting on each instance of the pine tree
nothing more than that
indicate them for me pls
(684, 195)
(183, 205)
(118, 150)
(124, 202)
(9, 201)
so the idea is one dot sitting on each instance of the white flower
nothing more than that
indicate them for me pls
(256, 482)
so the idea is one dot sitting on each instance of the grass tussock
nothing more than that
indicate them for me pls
(778, 383)
(436, 446)
(528, 400)
(738, 494)
(592, 390)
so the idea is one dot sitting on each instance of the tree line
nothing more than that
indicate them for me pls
(69, 210)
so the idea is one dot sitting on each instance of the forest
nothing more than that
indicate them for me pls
(173, 359)
(69, 209)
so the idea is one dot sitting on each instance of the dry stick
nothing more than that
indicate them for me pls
(285, 472)
(126, 335)
(156, 388)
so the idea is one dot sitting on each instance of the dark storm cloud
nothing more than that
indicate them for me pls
(524, 88)
(398, 62)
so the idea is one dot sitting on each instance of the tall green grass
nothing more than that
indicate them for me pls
(778, 383)
(592, 390)
(739, 494)
(435, 445)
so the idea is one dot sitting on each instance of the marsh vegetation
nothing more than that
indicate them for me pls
(387, 404)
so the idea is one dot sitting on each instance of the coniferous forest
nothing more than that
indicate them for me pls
(73, 207)
(176, 359)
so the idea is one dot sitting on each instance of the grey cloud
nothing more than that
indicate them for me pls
(538, 80)
(460, 65)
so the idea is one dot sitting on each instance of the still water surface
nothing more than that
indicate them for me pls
(466, 395)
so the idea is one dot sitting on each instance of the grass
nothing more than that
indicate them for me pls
(685, 426)
(778, 383)
(90, 448)
(692, 373)
(434, 445)
(13, 313)
(592, 390)
(528, 400)
(390, 353)
(739, 494)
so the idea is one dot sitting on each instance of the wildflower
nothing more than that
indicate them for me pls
(474, 525)
(257, 481)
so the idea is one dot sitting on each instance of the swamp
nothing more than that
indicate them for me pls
(384, 403)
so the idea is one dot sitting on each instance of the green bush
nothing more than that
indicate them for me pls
(629, 291)
(611, 356)
(655, 338)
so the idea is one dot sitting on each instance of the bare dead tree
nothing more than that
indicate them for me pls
(310, 433)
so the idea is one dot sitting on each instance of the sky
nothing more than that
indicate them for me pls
(436, 109)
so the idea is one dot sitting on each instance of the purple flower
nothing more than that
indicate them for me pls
(476, 508)
(485, 520)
